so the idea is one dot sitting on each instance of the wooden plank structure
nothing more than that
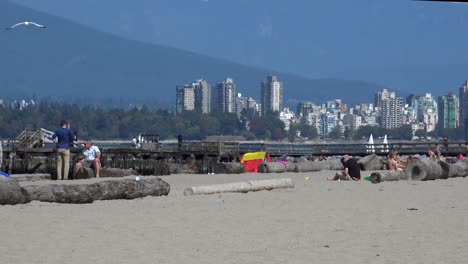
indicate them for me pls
(19, 158)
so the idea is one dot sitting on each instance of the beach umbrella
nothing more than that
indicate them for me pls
(370, 144)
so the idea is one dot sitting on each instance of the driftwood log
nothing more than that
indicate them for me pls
(426, 169)
(247, 186)
(276, 167)
(31, 177)
(377, 177)
(371, 163)
(87, 191)
(88, 173)
(11, 192)
(331, 164)
(457, 169)
(228, 168)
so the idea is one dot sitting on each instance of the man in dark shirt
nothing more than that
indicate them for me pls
(352, 171)
(63, 135)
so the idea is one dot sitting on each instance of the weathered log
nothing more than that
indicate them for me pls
(87, 191)
(31, 177)
(247, 186)
(370, 163)
(458, 169)
(276, 167)
(87, 173)
(228, 168)
(331, 164)
(11, 192)
(335, 164)
(377, 177)
(426, 169)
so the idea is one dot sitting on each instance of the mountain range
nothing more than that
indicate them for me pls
(70, 60)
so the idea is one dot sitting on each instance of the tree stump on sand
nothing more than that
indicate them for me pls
(371, 163)
(88, 173)
(248, 186)
(426, 169)
(31, 177)
(377, 177)
(11, 192)
(228, 168)
(87, 191)
(276, 167)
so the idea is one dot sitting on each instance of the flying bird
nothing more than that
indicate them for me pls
(27, 24)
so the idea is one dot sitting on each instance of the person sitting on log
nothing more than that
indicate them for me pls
(393, 163)
(438, 153)
(352, 171)
(92, 156)
(79, 165)
(431, 154)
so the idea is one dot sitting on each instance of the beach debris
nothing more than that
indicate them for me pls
(220, 199)
(326, 246)
(307, 178)
(138, 178)
(243, 187)
(412, 209)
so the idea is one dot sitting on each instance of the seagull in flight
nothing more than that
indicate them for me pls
(27, 24)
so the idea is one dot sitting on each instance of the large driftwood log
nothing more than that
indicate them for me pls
(458, 169)
(331, 164)
(11, 192)
(247, 186)
(87, 173)
(377, 177)
(370, 163)
(276, 167)
(228, 168)
(87, 191)
(31, 177)
(426, 169)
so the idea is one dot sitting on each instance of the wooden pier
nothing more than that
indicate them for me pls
(20, 159)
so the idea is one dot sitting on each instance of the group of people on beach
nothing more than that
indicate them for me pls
(90, 157)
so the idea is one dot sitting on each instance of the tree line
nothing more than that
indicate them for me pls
(118, 123)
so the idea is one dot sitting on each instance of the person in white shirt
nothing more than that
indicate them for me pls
(92, 156)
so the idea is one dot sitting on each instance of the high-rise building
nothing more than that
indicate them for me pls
(202, 96)
(464, 104)
(390, 109)
(185, 98)
(448, 111)
(226, 96)
(271, 95)
(425, 110)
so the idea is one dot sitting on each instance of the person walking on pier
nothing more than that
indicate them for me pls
(63, 135)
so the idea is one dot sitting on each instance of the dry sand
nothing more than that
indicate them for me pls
(316, 222)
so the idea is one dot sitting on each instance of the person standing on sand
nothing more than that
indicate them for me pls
(352, 171)
(63, 135)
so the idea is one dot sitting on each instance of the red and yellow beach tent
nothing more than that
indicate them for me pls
(252, 160)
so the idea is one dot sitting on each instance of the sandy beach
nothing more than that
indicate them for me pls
(316, 222)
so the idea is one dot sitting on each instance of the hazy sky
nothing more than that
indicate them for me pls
(375, 40)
